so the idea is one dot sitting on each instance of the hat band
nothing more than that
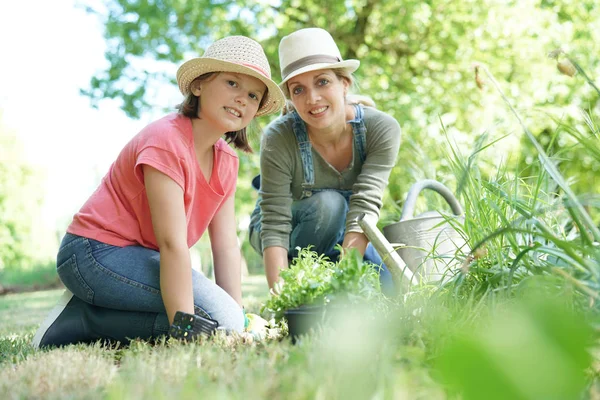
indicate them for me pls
(257, 69)
(303, 62)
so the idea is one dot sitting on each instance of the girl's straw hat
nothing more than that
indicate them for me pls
(307, 50)
(237, 54)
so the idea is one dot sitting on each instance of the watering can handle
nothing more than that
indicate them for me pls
(411, 198)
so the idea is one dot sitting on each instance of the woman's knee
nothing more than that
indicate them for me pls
(330, 202)
(327, 207)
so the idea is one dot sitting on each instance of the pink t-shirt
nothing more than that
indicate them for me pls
(117, 213)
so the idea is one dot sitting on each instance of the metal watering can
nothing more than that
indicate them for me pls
(426, 243)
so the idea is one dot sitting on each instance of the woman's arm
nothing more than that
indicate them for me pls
(277, 159)
(227, 257)
(165, 198)
(275, 258)
(355, 240)
(383, 143)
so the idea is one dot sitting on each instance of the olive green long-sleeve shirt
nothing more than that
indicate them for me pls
(282, 174)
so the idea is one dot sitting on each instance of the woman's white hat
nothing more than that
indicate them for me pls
(310, 49)
(237, 54)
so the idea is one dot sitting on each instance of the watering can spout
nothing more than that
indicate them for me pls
(401, 274)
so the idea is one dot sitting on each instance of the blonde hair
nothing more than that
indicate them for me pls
(341, 73)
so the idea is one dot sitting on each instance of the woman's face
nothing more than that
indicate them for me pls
(319, 98)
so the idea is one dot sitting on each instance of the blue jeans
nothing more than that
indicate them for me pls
(320, 221)
(128, 278)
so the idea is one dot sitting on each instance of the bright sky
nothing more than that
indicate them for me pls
(49, 50)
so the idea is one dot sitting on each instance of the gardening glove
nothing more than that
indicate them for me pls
(246, 320)
(257, 326)
(187, 326)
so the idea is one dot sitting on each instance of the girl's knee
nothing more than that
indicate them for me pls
(230, 318)
(213, 302)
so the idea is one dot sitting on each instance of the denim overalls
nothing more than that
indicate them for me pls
(319, 216)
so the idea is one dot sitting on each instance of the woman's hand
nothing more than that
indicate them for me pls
(275, 259)
(356, 240)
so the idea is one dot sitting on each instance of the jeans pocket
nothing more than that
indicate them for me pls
(69, 274)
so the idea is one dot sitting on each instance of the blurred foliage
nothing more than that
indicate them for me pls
(416, 62)
(20, 206)
(536, 348)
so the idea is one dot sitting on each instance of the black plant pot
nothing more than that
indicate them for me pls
(302, 319)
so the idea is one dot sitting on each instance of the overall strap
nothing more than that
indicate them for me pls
(360, 132)
(299, 128)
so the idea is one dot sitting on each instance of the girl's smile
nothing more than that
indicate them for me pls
(229, 101)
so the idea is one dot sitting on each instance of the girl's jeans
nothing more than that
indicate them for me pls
(320, 221)
(128, 278)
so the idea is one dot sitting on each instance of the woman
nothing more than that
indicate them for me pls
(125, 258)
(322, 164)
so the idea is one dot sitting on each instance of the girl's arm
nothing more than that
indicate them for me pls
(165, 198)
(227, 257)
(275, 258)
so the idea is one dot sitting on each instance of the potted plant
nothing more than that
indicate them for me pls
(313, 285)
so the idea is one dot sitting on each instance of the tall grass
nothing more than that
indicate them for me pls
(522, 226)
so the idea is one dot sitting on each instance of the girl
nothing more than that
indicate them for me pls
(125, 258)
(322, 164)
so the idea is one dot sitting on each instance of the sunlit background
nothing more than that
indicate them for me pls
(416, 62)
(516, 313)
(50, 49)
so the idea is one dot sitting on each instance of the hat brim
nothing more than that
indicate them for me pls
(193, 68)
(348, 65)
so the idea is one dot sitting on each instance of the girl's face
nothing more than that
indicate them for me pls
(319, 98)
(229, 101)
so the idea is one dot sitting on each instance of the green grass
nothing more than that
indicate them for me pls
(36, 275)
(21, 313)
(220, 367)
(422, 350)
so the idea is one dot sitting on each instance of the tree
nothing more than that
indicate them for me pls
(416, 59)
(20, 206)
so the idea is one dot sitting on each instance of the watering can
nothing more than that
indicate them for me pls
(422, 248)
(428, 242)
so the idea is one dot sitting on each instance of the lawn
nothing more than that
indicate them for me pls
(424, 351)
(220, 367)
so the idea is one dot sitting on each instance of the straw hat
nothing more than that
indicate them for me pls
(237, 54)
(310, 49)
